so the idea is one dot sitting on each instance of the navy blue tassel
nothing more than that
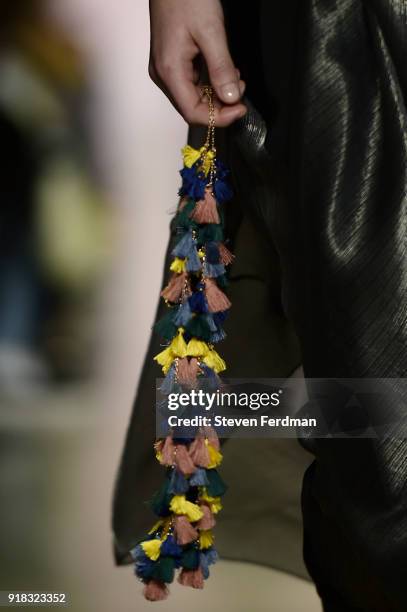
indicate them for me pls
(222, 191)
(193, 183)
(169, 548)
(212, 252)
(197, 302)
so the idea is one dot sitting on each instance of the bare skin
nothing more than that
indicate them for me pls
(183, 32)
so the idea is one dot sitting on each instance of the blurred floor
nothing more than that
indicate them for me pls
(58, 456)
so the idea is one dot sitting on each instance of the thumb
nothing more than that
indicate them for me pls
(222, 72)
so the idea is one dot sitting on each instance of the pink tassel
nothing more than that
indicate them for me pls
(212, 436)
(173, 291)
(184, 531)
(183, 461)
(206, 210)
(155, 590)
(198, 451)
(215, 298)
(226, 257)
(187, 371)
(193, 578)
(158, 446)
(168, 452)
(208, 520)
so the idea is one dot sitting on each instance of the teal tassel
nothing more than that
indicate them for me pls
(160, 503)
(165, 327)
(183, 216)
(198, 327)
(190, 558)
(211, 232)
(216, 486)
(222, 281)
(164, 569)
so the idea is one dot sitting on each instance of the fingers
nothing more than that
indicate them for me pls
(178, 82)
(223, 75)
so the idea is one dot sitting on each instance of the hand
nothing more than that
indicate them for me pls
(182, 33)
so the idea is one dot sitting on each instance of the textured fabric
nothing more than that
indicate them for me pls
(332, 84)
(330, 80)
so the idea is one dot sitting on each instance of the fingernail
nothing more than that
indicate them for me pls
(230, 92)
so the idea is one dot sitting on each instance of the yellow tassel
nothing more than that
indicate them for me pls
(178, 265)
(178, 345)
(201, 254)
(206, 166)
(214, 502)
(156, 526)
(180, 505)
(215, 456)
(213, 360)
(197, 348)
(152, 548)
(165, 359)
(205, 538)
(190, 155)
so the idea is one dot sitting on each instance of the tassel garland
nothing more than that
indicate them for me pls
(182, 540)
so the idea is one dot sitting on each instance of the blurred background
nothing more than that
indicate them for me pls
(83, 228)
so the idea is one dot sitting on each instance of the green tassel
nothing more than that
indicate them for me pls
(182, 219)
(190, 558)
(166, 327)
(160, 503)
(211, 232)
(198, 328)
(164, 569)
(222, 281)
(216, 486)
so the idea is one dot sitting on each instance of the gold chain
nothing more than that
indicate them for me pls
(209, 145)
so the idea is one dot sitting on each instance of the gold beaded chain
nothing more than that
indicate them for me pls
(209, 146)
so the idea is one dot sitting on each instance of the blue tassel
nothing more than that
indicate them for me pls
(169, 548)
(168, 383)
(206, 558)
(214, 270)
(178, 483)
(212, 252)
(184, 246)
(212, 381)
(144, 569)
(183, 315)
(197, 301)
(222, 171)
(218, 336)
(222, 191)
(138, 553)
(212, 325)
(193, 260)
(199, 478)
(220, 317)
(193, 184)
